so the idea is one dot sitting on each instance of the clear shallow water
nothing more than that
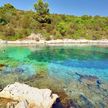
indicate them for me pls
(79, 72)
(60, 62)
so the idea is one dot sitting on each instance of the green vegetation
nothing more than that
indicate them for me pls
(17, 24)
(42, 10)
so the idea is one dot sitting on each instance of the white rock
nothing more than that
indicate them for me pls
(22, 104)
(41, 98)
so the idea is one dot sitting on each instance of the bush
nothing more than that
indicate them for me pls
(3, 21)
(15, 24)
(9, 31)
(61, 27)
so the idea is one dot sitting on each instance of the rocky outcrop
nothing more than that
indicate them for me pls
(28, 97)
(36, 37)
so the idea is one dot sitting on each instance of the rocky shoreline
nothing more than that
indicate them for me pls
(38, 39)
(56, 42)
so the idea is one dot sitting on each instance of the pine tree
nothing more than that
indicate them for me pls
(42, 12)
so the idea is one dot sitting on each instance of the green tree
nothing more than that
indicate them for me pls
(8, 6)
(41, 7)
(42, 12)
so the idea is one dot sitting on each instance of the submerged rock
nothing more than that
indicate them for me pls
(26, 69)
(28, 97)
(7, 69)
(89, 79)
(57, 104)
(2, 66)
(86, 101)
(72, 104)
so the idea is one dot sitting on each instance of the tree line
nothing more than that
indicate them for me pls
(17, 24)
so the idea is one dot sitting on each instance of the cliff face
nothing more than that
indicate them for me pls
(24, 96)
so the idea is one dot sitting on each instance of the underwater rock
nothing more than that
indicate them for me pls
(68, 104)
(47, 82)
(1, 66)
(7, 69)
(86, 101)
(104, 86)
(26, 69)
(101, 105)
(57, 104)
(88, 79)
(19, 70)
(28, 96)
(72, 104)
(106, 101)
(92, 95)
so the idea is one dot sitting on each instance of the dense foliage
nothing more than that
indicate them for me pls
(15, 24)
(42, 10)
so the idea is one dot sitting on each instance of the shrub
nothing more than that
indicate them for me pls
(9, 31)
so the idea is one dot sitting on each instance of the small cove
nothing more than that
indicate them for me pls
(76, 69)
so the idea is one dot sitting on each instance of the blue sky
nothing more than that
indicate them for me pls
(72, 7)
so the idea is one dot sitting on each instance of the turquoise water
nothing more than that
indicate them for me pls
(81, 72)
(59, 61)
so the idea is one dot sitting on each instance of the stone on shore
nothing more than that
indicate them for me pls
(28, 97)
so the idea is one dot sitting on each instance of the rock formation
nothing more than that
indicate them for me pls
(25, 96)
